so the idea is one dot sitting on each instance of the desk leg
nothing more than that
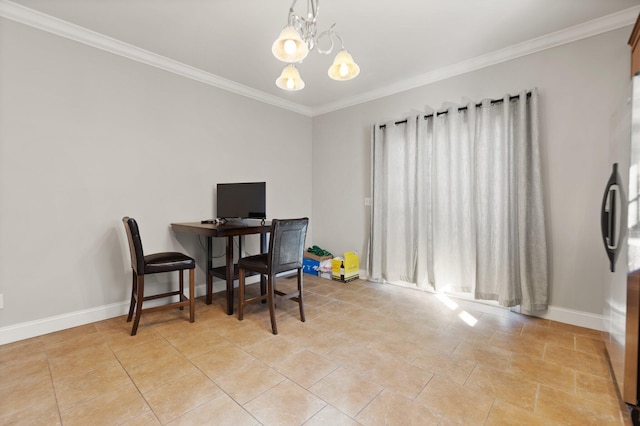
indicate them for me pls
(209, 294)
(263, 249)
(230, 271)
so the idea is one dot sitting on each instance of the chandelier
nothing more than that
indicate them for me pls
(300, 37)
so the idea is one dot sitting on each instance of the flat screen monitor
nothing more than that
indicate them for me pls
(241, 200)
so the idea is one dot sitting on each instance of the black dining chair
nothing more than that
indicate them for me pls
(286, 249)
(152, 264)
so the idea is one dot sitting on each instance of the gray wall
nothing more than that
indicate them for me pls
(87, 137)
(580, 85)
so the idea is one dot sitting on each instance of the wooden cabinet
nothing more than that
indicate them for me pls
(635, 49)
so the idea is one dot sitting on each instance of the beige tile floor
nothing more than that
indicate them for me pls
(368, 354)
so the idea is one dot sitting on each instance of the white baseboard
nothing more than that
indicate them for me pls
(573, 317)
(55, 323)
(554, 313)
(42, 326)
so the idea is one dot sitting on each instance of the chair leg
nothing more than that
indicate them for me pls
(263, 287)
(134, 286)
(140, 297)
(240, 294)
(271, 301)
(300, 301)
(181, 272)
(192, 295)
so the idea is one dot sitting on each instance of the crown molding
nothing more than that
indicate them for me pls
(33, 18)
(44, 22)
(558, 38)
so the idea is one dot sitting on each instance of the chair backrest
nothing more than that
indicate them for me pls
(286, 244)
(135, 244)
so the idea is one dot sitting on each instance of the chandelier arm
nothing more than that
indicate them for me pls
(322, 35)
(314, 8)
(330, 33)
(305, 25)
(291, 12)
(292, 16)
(339, 38)
(293, 19)
(312, 5)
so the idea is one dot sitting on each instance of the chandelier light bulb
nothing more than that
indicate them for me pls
(290, 79)
(289, 47)
(343, 68)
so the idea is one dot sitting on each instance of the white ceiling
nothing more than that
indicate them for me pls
(398, 44)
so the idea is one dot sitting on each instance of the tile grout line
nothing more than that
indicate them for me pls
(221, 389)
(535, 400)
(53, 387)
(368, 403)
(133, 382)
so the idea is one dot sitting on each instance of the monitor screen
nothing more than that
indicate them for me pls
(241, 200)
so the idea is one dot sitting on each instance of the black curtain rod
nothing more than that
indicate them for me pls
(464, 108)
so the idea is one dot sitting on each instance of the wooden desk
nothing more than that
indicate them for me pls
(229, 272)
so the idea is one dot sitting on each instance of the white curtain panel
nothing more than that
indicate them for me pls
(394, 207)
(457, 202)
(452, 180)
